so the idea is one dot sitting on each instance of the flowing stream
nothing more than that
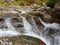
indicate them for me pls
(10, 30)
(34, 31)
(55, 38)
(54, 26)
(7, 32)
(30, 30)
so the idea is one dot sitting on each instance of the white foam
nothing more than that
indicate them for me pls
(10, 30)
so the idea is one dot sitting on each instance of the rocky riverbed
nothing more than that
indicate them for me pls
(49, 15)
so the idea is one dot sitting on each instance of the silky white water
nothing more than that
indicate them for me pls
(34, 31)
(54, 26)
(9, 31)
(30, 30)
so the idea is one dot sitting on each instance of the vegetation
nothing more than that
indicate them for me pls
(51, 3)
(26, 2)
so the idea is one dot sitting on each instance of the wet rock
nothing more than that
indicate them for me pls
(57, 6)
(25, 40)
(15, 20)
(18, 25)
(34, 6)
(20, 40)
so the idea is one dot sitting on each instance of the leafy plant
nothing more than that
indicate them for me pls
(51, 3)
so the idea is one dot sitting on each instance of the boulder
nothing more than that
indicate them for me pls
(57, 6)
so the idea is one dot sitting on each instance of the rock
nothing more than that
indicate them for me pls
(57, 6)
(21, 40)
(34, 6)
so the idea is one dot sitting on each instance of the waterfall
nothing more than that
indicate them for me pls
(29, 30)
(35, 27)
(32, 30)
(7, 32)
(10, 30)
(54, 26)
(8, 24)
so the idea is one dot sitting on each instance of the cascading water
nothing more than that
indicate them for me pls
(53, 40)
(7, 32)
(10, 30)
(29, 30)
(32, 30)
(8, 24)
(27, 26)
(35, 27)
(54, 26)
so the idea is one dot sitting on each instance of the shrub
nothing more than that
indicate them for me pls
(51, 3)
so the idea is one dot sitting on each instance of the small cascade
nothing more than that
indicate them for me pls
(10, 30)
(55, 39)
(35, 27)
(8, 24)
(29, 29)
(32, 30)
(54, 26)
